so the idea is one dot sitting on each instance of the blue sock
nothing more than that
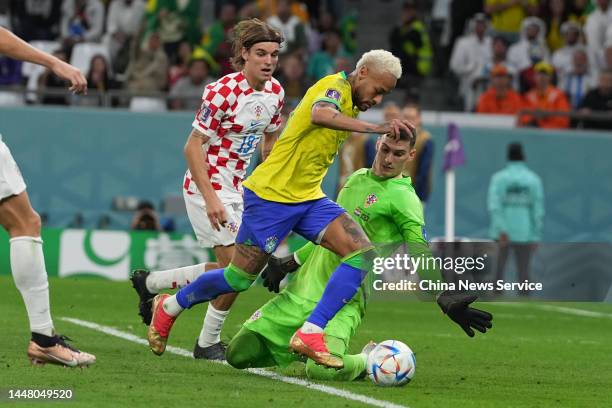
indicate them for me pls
(208, 286)
(342, 286)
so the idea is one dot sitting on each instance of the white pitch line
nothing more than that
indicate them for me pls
(561, 309)
(257, 371)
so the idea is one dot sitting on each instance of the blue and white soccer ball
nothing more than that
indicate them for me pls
(391, 364)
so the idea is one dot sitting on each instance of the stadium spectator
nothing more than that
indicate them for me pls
(187, 92)
(545, 98)
(461, 12)
(599, 100)
(99, 79)
(348, 29)
(500, 98)
(579, 11)
(145, 218)
(174, 21)
(604, 58)
(410, 43)
(507, 16)
(324, 23)
(290, 26)
(122, 24)
(596, 24)
(579, 80)
(555, 13)
(292, 77)
(36, 20)
(54, 84)
(419, 169)
(217, 39)
(82, 21)
(516, 206)
(562, 58)
(470, 55)
(323, 63)
(180, 65)
(147, 70)
(532, 46)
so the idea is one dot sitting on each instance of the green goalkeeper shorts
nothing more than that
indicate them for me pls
(279, 318)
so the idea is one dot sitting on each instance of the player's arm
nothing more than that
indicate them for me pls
(277, 268)
(194, 154)
(326, 114)
(268, 142)
(14, 47)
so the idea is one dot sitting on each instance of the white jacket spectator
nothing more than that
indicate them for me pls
(82, 26)
(470, 55)
(123, 21)
(562, 58)
(596, 25)
(532, 46)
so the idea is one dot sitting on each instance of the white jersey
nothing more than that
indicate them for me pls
(235, 117)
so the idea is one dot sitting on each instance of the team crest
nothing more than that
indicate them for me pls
(271, 243)
(232, 227)
(370, 200)
(255, 316)
(332, 94)
(258, 111)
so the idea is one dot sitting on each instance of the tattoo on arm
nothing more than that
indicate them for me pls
(250, 258)
(197, 134)
(354, 231)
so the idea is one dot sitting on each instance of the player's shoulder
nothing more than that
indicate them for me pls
(274, 86)
(403, 192)
(337, 80)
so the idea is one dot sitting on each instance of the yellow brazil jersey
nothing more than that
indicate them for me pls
(299, 160)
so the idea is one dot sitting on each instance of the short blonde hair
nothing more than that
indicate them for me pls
(381, 61)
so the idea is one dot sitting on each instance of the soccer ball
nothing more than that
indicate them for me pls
(391, 363)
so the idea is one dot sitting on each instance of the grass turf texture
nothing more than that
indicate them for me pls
(532, 357)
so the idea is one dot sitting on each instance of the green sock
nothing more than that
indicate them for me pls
(354, 364)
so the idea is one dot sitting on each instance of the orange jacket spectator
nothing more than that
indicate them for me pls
(500, 98)
(545, 97)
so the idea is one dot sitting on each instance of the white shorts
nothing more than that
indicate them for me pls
(207, 236)
(11, 181)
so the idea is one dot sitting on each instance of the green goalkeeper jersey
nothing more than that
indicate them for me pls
(389, 212)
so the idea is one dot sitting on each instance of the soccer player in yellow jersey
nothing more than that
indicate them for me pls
(284, 194)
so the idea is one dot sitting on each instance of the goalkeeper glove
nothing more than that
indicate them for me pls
(276, 270)
(456, 306)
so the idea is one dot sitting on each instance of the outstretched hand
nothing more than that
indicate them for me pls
(457, 307)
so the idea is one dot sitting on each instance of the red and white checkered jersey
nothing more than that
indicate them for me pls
(235, 117)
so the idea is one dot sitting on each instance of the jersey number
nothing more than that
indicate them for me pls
(247, 144)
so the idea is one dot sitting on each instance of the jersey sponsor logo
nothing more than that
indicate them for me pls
(332, 94)
(255, 316)
(204, 113)
(371, 199)
(253, 126)
(232, 227)
(271, 243)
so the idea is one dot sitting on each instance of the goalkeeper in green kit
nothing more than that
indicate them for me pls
(386, 206)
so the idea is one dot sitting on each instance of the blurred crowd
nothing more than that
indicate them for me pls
(153, 48)
(536, 55)
(520, 57)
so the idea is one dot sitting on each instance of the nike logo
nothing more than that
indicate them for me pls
(69, 363)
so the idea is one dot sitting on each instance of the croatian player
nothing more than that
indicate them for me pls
(385, 205)
(23, 226)
(284, 194)
(237, 111)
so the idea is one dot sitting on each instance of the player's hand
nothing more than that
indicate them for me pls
(457, 307)
(396, 126)
(215, 210)
(276, 270)
(78, 83)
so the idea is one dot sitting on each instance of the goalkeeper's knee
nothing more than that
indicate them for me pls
(361, 259)
(238, 279)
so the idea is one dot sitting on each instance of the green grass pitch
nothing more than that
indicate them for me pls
(533, 357)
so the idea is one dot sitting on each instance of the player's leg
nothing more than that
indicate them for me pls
(208, 345)
(353, 367)
(248, 349)
(264, 225)
(344, 237)
(28, 268)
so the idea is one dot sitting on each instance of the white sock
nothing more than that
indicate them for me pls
(171, 306)
(213, 322)
(310, 328)
(30, 275)
(174, 278)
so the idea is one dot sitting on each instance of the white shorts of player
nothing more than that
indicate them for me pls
(207, 236)
(11, 181)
